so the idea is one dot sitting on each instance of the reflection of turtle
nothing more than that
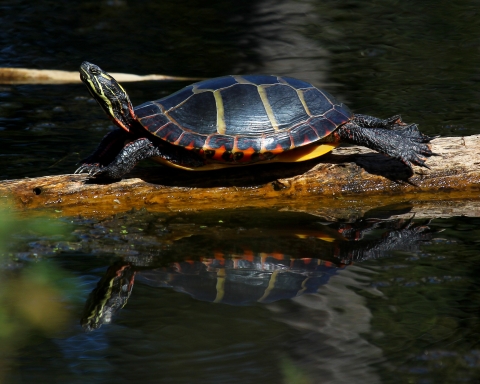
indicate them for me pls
(234, 281)
(111, 295)
(241, 279)
(237, 120)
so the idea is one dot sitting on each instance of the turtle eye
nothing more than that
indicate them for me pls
(94, 70)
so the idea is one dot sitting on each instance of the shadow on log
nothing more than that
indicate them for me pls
(343, 184)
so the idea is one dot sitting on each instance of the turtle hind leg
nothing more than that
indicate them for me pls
(407, 144)
(136, 151)
(396, 123)
(367, 121)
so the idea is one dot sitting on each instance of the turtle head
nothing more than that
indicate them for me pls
(109, 94)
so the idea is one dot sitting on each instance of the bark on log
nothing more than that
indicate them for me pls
(344, 184)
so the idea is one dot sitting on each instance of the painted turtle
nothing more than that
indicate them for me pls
(237, 120)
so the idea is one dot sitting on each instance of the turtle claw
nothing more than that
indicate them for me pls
(421, 162)
(414, 148)
(425, 165)
(395, 122)
(99, 171)
(412, 132)
(414, 153)
(92, 169)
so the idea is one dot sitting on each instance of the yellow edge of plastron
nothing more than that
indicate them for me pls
(295, 155)
(324, 238)
(304, 153)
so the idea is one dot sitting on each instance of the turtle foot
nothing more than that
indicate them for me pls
(412, 132)
(405, 143)
(417, 156)
(413, 149)
(394, 122)
(96, 170)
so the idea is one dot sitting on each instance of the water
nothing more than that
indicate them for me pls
(226, 297)
(231, 297)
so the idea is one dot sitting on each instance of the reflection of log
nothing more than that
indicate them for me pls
(345, 183)
(48, 76)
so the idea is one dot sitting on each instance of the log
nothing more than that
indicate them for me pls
(342, 185)
(51, 76)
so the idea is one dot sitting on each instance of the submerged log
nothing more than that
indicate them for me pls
(343, 184)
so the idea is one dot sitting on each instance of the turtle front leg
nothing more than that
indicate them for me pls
(111, 144)
(136, 151)
(407, 143)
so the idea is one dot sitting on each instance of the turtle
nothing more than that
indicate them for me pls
(237, 120)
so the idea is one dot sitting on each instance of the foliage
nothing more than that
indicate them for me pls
(33, 293)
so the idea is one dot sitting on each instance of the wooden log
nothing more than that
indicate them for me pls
(51, 76)
(344, 184)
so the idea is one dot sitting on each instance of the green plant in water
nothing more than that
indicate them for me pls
(33, 294)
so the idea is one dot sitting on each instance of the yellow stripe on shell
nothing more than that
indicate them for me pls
(221, 127)
(268, 107)
(302, 100)
(241, 80)
(196, 90)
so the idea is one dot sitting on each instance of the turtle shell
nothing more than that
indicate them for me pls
(244, 118)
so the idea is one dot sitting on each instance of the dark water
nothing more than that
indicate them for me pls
(228, 297)
(240, 296)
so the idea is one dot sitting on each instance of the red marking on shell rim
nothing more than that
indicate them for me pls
(218, 153)
(190, 146)
(278, 149)
(247, 154)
